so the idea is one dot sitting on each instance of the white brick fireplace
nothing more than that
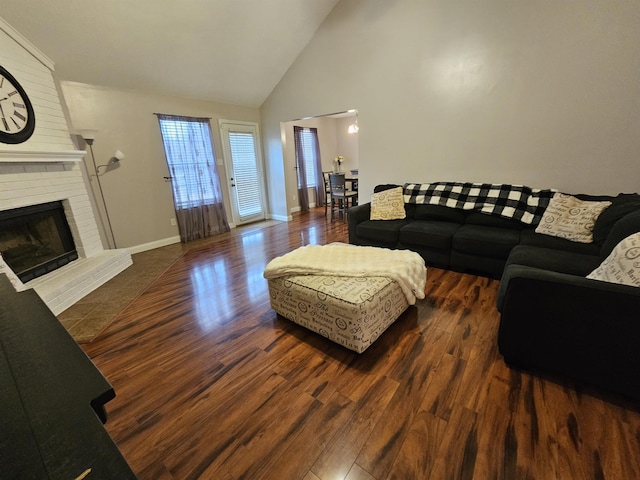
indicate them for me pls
(47, 168)
(31, 178)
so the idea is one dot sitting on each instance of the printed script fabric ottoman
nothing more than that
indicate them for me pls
(351, 311)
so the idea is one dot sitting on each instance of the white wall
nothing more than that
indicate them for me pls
(543, 93)
(347, 144)
(139, 200)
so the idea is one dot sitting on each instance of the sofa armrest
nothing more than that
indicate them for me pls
(573, 326)
(356, 215)
(530, 275)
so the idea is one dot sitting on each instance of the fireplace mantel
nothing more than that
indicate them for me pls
(65, 156)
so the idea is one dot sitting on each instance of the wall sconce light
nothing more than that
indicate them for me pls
(112, 161)
(353, 128)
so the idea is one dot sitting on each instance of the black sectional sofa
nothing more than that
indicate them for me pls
(553, 318)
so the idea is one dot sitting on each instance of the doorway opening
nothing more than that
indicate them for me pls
(334, 140)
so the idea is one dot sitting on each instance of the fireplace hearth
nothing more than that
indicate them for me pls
(36, 240)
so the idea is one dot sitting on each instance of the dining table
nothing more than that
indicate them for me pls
(353, 180)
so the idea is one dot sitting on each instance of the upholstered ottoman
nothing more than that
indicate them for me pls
(351, 311)
(350, 294)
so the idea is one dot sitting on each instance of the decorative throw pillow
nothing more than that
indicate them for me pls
(571, 218)
(623, 263)
(13, 278)
(388, 205)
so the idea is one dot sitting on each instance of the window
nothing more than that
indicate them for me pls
(189, 151)
(308, 139)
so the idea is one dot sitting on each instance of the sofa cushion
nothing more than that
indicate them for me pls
(555, 260)
(381, 231)
(623, 263)
(530, 237)
(431, 234)
(594, 198)
(624, 227)
(384, 186)
(438, 212)
(488, 220)
(620, 206)
(571, 218)
(388, 205)
(477, 264)
(488, 241)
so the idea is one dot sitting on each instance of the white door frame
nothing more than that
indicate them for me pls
(250, 127)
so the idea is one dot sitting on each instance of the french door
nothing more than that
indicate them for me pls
(243, 164)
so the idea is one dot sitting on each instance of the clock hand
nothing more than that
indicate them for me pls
(4, 120)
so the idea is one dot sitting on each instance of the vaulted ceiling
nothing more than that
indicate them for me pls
(230, 51)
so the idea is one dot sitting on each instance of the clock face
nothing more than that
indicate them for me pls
(17, 120)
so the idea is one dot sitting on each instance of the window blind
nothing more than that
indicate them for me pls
(245, 173)
(189, 152)
(308, 152)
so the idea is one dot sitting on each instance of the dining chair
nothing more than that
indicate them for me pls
(327, 191)
(340, 196)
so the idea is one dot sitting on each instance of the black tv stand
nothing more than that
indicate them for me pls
(52, 399)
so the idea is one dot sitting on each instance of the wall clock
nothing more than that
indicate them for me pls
(17, 120)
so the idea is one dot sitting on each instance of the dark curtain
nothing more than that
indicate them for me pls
(197, 193)
(303, 194)
(302, 164)
(321, 196)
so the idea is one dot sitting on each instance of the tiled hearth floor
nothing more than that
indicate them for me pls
(90, 315)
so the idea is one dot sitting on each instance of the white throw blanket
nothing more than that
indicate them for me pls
(405, 267)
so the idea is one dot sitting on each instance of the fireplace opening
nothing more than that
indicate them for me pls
(36, 240)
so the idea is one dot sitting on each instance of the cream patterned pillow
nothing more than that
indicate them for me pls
(388, 205)
(13, 278)
(571, 218)
(623, 263)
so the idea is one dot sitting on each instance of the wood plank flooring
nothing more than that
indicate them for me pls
(212, 384)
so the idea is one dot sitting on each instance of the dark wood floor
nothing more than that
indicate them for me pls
(211, 384)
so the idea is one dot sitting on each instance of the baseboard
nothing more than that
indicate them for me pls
(298, 208)
(156, 244)
(281, 218)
